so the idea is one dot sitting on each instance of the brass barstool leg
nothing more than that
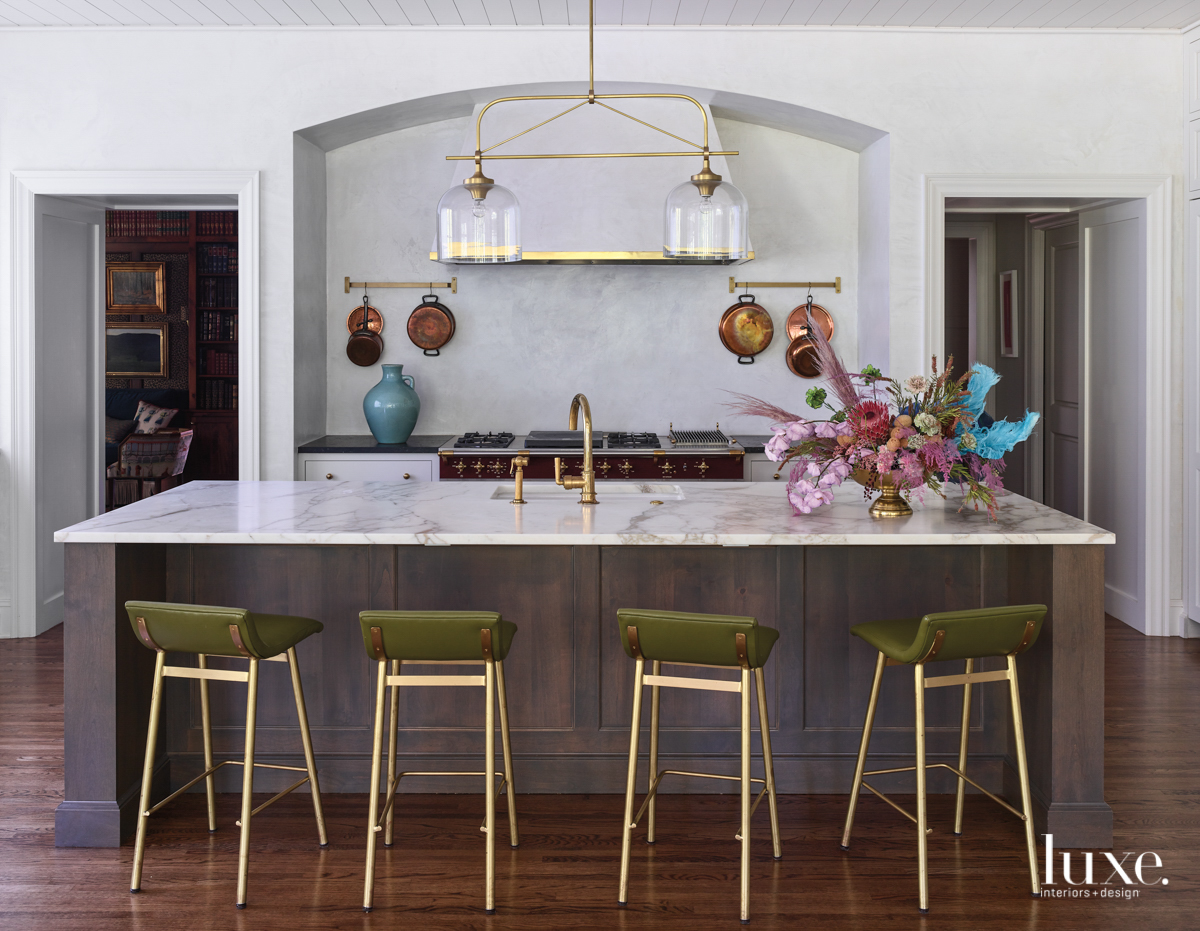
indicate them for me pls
(922, 815)
(373, 804)
(513, 837)
(210, 784)
(489, 751)
(306, 738)
(1023, 770)
(247, 784)
(139, 850)
(745, 795)
(631, 779)
(964, 732)
(764, 729)
(862, 750)
(394, 723)
(655, 669)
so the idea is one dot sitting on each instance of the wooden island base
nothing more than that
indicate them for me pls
(569, 682)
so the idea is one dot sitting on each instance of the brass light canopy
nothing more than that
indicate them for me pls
(710, 226)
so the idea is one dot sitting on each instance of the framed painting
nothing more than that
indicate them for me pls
(1008, 314)
(135, 350)
(136, 288)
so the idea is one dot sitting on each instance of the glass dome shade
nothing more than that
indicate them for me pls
(478, 230)
(706, 226)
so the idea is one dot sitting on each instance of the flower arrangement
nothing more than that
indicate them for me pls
(913, 435)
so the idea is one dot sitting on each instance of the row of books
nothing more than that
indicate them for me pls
(217, 292)
(218, 326)
(216, 258)
(215, 362)
(216, 223)
(146, 223)
(212, 395)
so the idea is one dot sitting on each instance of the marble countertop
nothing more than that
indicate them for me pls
(466, 513)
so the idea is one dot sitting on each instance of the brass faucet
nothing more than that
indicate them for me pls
(519, 462)
(587, 481)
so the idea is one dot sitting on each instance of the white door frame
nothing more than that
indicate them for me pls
(1157, 192)
(986, 287)
(18, 423)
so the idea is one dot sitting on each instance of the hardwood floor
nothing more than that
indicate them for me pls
(565, 873)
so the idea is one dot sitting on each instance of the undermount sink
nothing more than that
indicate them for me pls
(623, 491)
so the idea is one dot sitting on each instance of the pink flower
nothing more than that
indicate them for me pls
(777, 446)
(798, 431)
(826, 430)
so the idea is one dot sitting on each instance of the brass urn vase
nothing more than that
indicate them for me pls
(889, 503)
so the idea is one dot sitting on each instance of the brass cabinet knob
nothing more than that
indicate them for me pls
(775, 476)
(329, 475)
(406, 475)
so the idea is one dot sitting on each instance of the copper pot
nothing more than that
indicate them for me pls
(802, 357)
(746, 329)
(365, 346)
(797, 321)
(431, 325)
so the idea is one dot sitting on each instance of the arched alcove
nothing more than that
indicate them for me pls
(365, 188)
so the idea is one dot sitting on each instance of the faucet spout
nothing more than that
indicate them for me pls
(587, 481)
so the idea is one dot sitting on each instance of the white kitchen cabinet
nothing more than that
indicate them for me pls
(763, 469)
(368, 468)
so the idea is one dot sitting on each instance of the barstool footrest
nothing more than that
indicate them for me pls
(391, 795)
(208, 772)
(955, 770)
(679, 772)
(276, 798)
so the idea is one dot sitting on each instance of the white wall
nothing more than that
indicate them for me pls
(1011, 102)
(640, 342)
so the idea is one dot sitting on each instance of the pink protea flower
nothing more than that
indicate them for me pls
(871, 420)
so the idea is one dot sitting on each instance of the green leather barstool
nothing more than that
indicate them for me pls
(456, 638)
(214, 631)
(965, 635)
(713, 640)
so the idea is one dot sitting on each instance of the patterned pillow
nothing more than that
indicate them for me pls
(116, 430)
(151, 419)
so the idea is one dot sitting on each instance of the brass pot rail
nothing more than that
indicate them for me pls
(836, 284)
(452, 284)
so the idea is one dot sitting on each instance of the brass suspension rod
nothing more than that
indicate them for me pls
(836, 284)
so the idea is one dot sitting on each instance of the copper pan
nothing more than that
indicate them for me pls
(802, 357)
(374, 320)
(746, 329)
(797, 321)
(365, 346)
(431, 325)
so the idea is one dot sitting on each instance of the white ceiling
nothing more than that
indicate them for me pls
(1073, 14)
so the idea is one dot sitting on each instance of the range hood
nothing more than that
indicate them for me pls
(591, 211)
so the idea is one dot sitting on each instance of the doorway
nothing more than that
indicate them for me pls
(1123, 274)
(30, 562)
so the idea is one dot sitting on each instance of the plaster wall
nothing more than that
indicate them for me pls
(640, 342)
(1039, 102)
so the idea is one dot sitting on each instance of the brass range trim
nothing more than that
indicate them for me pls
(613, 258)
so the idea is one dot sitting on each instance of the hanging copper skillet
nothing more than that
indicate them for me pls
(365, 345)
(374, 320)
(746, 329)
(797, 321)
(431, 325)
(801, 353)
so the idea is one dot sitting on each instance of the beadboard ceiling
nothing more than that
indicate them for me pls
(998, 14)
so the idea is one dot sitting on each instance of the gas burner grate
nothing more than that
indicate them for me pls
(698, 437)
(621, 440)
(484, 441)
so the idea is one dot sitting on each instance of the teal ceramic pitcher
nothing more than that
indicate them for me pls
(392, 406)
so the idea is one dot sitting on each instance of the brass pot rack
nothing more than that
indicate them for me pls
(452, 284)
(836, 284)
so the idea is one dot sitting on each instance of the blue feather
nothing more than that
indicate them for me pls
(983, 380)
(1002, 436)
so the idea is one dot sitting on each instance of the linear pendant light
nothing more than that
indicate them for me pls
(706, 219)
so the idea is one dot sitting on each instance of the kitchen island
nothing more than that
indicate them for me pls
(560, 571)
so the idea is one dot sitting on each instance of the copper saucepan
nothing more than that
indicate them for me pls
(801, 353)
(746, 329)
(365, 345)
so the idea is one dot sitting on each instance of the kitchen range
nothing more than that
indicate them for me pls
(694, 455)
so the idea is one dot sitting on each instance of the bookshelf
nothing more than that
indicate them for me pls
(209, 237)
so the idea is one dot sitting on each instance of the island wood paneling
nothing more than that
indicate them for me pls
(569, 680)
